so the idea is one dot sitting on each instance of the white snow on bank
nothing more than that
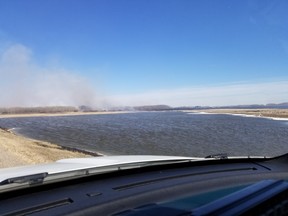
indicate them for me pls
(278, 119)
(201, 113)
(254, 116)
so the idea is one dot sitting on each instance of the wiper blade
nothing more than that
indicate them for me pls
(218, 156)
(51, 176)
(68, 169)
(30, 179)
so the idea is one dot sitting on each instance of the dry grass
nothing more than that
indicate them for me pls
(274, 113)
(61, 114)
(16, 150)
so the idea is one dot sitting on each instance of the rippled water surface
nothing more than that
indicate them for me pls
(161, 133)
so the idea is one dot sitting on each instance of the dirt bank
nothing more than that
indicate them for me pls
(17, 150)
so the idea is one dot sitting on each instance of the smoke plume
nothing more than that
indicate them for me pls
(25, 83)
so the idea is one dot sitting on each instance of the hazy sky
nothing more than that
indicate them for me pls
(136, 52)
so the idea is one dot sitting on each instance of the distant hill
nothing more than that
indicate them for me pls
(251, 106)
(281, 105)
(259, 106)
(166, 107)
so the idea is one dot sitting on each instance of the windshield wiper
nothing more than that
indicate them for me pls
(30, 179)
(44, 177)
(218, 156)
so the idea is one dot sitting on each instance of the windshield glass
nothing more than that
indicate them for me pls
(162, 77)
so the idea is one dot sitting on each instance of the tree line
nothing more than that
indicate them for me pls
(29, 110)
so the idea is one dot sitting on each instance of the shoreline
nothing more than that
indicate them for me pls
(17, 150)
(62, 114)
(274, 114)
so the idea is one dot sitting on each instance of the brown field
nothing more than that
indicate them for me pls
(61, 114)
(273, 113)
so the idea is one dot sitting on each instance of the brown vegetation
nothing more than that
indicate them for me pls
(16, 150)
(29, 110)
(273, 113)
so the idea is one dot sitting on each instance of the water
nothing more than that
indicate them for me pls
(159, 133)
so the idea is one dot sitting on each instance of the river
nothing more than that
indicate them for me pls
(158, 133)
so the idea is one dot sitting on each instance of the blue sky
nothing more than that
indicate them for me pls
(127, 52)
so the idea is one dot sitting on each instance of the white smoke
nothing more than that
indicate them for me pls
(25, 83)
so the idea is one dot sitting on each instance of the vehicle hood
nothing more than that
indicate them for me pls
(79, 167)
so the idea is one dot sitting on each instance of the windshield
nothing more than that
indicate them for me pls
(162, 77)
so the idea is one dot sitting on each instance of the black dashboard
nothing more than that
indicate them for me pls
(190, 188)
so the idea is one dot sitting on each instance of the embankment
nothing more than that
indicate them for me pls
(17, 150)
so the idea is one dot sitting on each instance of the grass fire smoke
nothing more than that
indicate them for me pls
(25, 83)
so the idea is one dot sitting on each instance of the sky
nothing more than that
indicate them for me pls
(106, 53)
